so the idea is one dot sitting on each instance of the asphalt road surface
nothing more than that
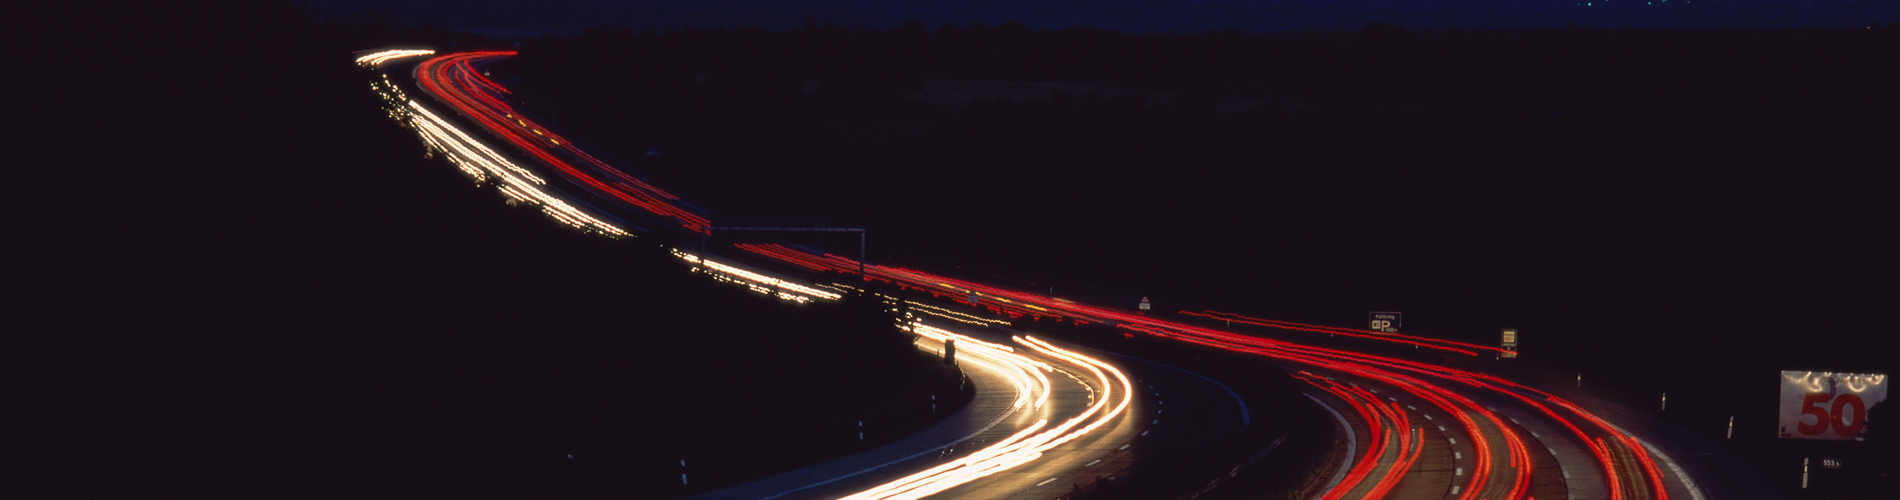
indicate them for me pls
(1419, 430)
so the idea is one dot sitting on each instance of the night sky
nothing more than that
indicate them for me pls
(506, 17)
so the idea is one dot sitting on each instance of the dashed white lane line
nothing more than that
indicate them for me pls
(1092, 464)
(1459, 472)
(1441, 428)
(1047, 481)
(1454, 489)
(1124, 447)
(1144, 433)
(1457, 455)
(1453, 440)
(1428, 416)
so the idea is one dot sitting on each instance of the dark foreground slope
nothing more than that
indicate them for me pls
(240, 280)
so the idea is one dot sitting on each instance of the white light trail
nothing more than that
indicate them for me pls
(484, 164)
(1025, 446)
(759, 282)
(375, 59)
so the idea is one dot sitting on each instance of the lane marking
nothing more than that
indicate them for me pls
(1441, 428)
(1352, 441)
(993, 422)
(1453, 440)
(1457, 455)
(1092, 464)
(1124, 447)
(1144, 433)
(1460, 472)
(1680, 475)
(1454, 489)
(1047, 481)
(1246, 418)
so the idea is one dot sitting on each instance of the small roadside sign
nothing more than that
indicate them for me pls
(1385, 322)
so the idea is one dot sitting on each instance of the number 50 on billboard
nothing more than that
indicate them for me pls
(1828, 405)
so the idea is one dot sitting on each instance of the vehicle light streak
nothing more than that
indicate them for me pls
(1346, 360)
(1518, 453)
(1001, 354)
(1359, 470)
(758, 282)
(452, 80)
(1000, 359)
(957, 316)
(1022, 447)
(1392, 337)
(375, 59)
(484, 165)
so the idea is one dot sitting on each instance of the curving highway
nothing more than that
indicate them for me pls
(1048, 417)
(1500, 458)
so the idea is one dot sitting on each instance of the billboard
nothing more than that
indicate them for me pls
(1828, 405)
(1385, 322)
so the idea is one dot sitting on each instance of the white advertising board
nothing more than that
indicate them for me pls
(1828, 405)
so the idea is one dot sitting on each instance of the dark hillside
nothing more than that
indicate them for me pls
(241, 280)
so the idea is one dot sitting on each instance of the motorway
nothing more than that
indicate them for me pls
(1595, 459)
(1041, 412)
(1048, 417)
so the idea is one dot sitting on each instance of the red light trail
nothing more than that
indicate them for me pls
(453, 80)
(1016, 304)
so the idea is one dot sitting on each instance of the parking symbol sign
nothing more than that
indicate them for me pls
(1386, 322)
